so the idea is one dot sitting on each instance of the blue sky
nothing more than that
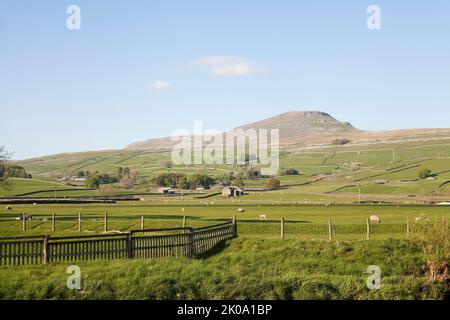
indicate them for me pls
(141, 69)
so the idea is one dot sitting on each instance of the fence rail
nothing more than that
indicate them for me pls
(142, 244)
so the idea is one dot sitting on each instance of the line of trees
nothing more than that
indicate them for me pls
(182, 181)
(14, 171)
(125, 176)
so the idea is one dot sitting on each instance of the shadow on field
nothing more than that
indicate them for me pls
(218, 248)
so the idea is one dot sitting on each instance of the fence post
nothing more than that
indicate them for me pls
(142, 223)
(368, 229)
(190, 248)
(79, 222)
(46, 257)
(130, 248)
(235, 228)
(282, 228)
(408, 228)
(330, 230)
(184, 221)
(106, 222)
(24, 222)
(53, 222)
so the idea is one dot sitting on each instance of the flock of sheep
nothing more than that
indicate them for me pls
(262, 217)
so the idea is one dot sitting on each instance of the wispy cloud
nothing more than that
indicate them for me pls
(160, 85)
(229, 66)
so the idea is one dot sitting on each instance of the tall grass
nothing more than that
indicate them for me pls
(433, 237)
(244, 268)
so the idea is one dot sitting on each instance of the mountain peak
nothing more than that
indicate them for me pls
(297, 123)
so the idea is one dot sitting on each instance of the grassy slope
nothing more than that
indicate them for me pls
(374, 159)
(241, 269)
(21, 186)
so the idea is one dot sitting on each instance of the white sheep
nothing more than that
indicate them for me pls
(263, 217)
(241, 210)
(375, 219)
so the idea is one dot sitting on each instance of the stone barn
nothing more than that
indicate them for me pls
(232, 191)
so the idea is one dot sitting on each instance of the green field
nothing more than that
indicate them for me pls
(301, 221)
(244, 268)
(342, 184)
(348, 169)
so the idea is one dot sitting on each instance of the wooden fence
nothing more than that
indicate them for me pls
(142, 244)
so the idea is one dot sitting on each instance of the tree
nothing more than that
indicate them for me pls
(81, 174)
(91, 182)
(4, 183)
(94, 180)
(170, 179)
(273, 183)
(424, 173)
(201, 180)
(184, 183)
(105, 190)
(128, 181)
(15, 171)
(227, 178)
(253, 173)
(238, 182)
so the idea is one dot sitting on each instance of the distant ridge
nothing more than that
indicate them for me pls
(291, 124)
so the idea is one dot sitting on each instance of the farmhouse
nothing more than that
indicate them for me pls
(232, 191)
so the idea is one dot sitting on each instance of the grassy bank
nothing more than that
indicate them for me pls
(244, 268)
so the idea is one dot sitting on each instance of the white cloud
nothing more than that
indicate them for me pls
(160, 85)
(229, 66)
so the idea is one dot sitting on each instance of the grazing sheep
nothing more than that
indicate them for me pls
(8, 208)
(34, 204)
(263, 217)
(241, 210)
(375, 219)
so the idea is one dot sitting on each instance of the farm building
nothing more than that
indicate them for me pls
(166, 190)
(232, 191)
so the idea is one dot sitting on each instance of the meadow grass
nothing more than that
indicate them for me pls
(243, 268)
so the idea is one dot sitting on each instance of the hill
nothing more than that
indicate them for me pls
(294, 124)
(307, 145)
